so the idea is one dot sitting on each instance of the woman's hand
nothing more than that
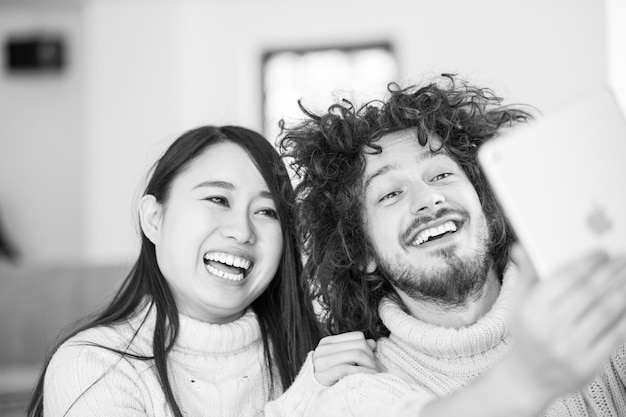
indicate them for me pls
(341, 355)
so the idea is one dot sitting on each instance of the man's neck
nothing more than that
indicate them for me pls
(458, 316)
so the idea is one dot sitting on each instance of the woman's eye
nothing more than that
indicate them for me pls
(389, 195)
(269, 213)
(442, 176)
(220, 201)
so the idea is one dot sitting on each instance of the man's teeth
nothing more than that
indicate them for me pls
(426, 234)
(227, 259)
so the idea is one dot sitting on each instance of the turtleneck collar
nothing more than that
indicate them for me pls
(441, 342)
(198, 337)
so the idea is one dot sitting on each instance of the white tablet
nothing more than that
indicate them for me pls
(561, 180)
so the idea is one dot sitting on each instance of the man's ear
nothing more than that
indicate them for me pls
(150, 216)
(371, 265)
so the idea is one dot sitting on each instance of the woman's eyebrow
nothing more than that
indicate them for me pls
(266, 194)
(229, 186)
(219, 184)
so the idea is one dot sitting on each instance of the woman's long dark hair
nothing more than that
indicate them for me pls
(285, 310)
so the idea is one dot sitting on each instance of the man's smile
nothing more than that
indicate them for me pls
(425, 230)
(434, 232)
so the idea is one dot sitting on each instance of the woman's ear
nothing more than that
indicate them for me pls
(371, 266)
(150, 216)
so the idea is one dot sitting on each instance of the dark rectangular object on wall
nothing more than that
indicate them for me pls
(34, 53)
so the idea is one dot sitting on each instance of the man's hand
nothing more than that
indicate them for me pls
(566, 327)
(341, 355)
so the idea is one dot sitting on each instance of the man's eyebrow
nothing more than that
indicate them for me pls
(380, 171)
(424, 155)
(428, 154)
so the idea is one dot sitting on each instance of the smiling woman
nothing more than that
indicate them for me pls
(215, 217)
(212, 316)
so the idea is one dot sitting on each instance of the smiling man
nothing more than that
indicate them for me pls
(427, 230)
(406, 242)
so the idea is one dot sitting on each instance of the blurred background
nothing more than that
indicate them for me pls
(76, 138)
(92, 91)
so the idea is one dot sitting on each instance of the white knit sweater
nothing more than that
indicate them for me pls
(214, 370)
(423, 361)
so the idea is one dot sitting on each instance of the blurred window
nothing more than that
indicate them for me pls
(319, 76)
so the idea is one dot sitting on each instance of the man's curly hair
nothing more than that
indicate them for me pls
(327, 154)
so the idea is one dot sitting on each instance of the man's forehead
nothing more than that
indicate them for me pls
(408, 137)
(400, 135)
(398, 146)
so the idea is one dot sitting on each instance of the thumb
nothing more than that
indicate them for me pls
(527, 277)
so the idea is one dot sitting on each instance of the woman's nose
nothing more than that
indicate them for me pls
(239, 228)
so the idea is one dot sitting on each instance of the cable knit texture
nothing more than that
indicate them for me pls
(422, 361)
(214, 370)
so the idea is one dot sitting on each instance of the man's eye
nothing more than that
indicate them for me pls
(269, 213)
(389, 195)
(442, 176)
(220, 201)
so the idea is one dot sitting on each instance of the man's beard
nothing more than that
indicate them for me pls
(453, 284)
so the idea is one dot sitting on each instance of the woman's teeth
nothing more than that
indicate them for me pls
(223, 274)
(226, 265)
(228, 259)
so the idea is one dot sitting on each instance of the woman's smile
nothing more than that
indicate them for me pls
(228, 266)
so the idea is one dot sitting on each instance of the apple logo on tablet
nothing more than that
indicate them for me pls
(598, 221)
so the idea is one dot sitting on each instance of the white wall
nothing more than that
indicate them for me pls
(616, 16)
(153, 68)
(133, 80)
(41, 146)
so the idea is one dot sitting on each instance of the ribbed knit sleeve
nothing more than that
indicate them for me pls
(604, 396)
(367, 395)
(88, 381)
(301, 397)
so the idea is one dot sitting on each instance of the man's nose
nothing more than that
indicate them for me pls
(425, 197)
